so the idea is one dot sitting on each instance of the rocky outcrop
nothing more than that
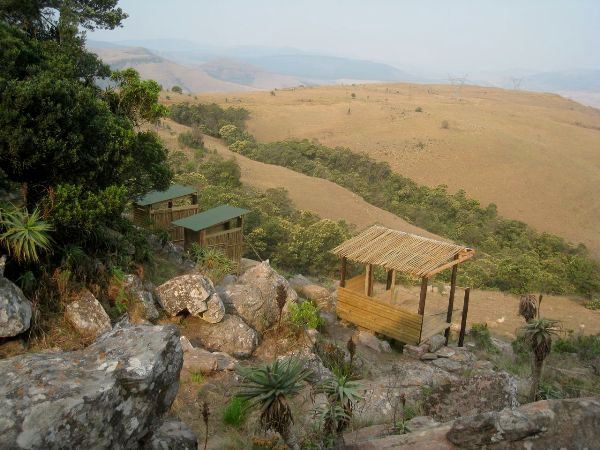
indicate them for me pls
(143, 294)
(311, 291)
(87, 315)
(112, 394)
(548, 424)
(200, 360)
(193, 293)
(254, 296)
(232, 335)
(15, 309)
(173, 434)
(371, 341)
(489, 391)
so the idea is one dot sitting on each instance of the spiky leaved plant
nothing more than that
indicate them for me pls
(538, 334)
(24, 234)
(270, 386)
(342, 392)
(528, 307)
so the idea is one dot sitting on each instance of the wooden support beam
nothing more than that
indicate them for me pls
(202, 238)
(463, 322)
(388, 283)
(343, 269)
(451, 299)
(369, 280)
(393, 286)
(423, 295)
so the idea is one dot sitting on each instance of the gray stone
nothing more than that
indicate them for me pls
(186, 345)
(428, 357)
(200, 360)
(483, 365)
(445, 352)
(112, 394)
(436, 342)
(310, 290)
(193, 293)
(87, 315)
(415, 351)
(2, 265)
(173, 434)
(15, 309)
(254, 296)
(143, 294)
(232, 335)
(369, 340)
(419, 423)
(447, 364)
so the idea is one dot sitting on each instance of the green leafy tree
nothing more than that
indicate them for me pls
(177, 89)
(269, 387)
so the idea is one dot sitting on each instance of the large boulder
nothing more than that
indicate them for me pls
(112, 394)
(232, 335)
(255, 296)
(173, 434)
(15, 309)
(193, 293)
(311, 290)
(87, 315)
(143, 294)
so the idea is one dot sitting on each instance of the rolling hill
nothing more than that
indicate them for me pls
(537, 156)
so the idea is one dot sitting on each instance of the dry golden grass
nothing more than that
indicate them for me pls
(537, 156)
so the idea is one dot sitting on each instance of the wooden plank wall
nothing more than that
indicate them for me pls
(378, 316)
(230, 242)
(162, 219)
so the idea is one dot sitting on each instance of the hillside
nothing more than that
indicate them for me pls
(537, 156)
(322, 197)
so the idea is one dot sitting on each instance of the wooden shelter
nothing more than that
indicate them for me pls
(396, 251)
(158, 209)
(219, 228)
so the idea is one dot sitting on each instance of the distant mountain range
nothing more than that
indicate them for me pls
(202, 68)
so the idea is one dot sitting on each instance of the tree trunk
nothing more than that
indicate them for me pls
(536, 375)
(290, 438)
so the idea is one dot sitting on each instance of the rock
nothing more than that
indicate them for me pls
(428, 356)
(415, 351)
(193, 293)
(310, 290)
(366, 434)
(462, 355)
(569, 423)
(111, 394)
(370, 340)
(15, 309)
(465, 396)
(328, 318)
(420, 423)
(483, 365)
(445, 352)
(313, 335)
(2, 265)
(232, 335)
(173, 434)
(143, 294)
(87, 315)
(186, 345)
(447, 364)
(254, 296)
(436, 342)
(200, 360)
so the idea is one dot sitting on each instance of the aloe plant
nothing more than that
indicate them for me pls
(538, 333)
(24, 234)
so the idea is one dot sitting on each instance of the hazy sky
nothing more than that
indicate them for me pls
(433, 34)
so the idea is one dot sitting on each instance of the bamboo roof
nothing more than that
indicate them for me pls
(403, 252)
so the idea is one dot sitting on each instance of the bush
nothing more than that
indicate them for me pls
(586, 347)
(191, 139)
(235, 412)
(445, 125)
(305, 315)
(177, 89)
(594, 305)
(418, 109)
(482, 337)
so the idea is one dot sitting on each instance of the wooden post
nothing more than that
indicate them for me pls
(463, 322)
(202, 238)
(451, 299)
(388, 283)
(393, 286)
(369, 280)
(423, 295)
(343, 269)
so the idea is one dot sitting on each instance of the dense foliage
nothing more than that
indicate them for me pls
(209, 118)
(511, 255)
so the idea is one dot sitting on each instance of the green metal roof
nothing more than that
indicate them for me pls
(174, 191)
(211, 217)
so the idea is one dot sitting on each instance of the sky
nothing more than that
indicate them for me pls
(442, 35)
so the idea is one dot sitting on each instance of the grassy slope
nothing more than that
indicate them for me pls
(537, 156)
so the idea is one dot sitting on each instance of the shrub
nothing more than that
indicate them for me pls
(235, 412)
(445, 125)
(353, 95)
(586, 347)
(305, 315)
(177, 89)
(212, 262)
(482, 338)
(192, 139)
(418, 109)
(594, 305)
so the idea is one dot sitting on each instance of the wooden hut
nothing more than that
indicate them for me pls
(396, 251)
(219, 228)
(158, 209)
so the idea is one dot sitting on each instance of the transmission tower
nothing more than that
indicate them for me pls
(458, 83)
(516, 82)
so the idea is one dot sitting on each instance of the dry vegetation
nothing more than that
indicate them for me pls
(537, 156)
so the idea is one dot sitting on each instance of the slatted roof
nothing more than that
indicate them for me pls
(174, 191)
(403, 252)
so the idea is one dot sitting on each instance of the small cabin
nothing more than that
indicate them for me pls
(390, 312)
(158, 209)
(219, 228)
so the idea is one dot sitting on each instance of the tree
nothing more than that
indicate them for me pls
(177, 89)
(269, 387)
(538, 333)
